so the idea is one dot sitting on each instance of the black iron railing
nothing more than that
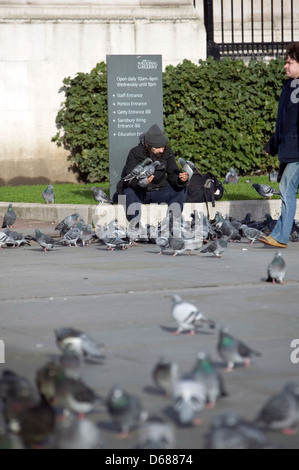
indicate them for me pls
(232, 33)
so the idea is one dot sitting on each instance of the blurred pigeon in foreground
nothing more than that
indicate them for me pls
(9, 217)
(165, 373)
(265, 190)
(217, 246)
(44, 240)
(277, 269)
(206, 373)
(100, 196)
(229, 431)
(231, 177)
(155, 433)
(188, 400)
(281, 410)
(126, 410)
(49, 195)
(79, 343)
(187, 316)
(233, 351)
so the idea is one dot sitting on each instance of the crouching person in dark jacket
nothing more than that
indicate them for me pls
(166, 185)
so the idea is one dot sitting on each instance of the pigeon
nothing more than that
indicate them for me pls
(67, 223)
(265, 190)
(187, 167)
(187, 316)
(146, 172)
(74, 433)
(229, 431)
(162, 243)
(9, 217)
(16, 238)
(233, 351)
(137, 170)
(5, 239)
(44, 240)
(49, 195)
(231, 177)
(281, 411)
(165, 373)
(252, 234)
(277, 269)
(273, 176)
(156, 433)
(125, 409)
(116, 242)
(217, 247)
(206, 373)
(188, 400)
(100, 196)
(79, 343)
(72, 236)
(86, 235)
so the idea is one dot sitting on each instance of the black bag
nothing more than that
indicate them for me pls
(204, 188)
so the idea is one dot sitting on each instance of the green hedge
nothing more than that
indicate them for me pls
(217, 113)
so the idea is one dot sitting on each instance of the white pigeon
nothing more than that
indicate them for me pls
(156, 433)
(187, 316)
(277, 269)
(188, 400)
(79, 343)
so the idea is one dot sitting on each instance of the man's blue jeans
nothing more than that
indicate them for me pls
(288, 187)
(168, 195)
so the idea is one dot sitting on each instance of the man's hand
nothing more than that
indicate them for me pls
(150, 179)
(183, 176)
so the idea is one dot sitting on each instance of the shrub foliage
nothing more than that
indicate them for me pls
(217, 113)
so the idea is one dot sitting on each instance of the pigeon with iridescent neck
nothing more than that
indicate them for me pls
(9, 217)
(233, 351)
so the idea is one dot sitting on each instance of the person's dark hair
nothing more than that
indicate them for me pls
(293, 51)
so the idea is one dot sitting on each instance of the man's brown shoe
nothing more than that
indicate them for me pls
(272, 242)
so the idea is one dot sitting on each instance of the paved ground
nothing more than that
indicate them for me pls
(123, 300)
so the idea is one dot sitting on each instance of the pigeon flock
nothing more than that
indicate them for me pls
(56, 412)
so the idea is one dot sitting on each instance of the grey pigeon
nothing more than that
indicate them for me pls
(125, 409)
(72, 236)
(281, 411)
(277, 269)
(137, 170)
(231, 177)
(251, 233)
(165, 373)
(188, 400)
(86, 235)
(156, 433)
(273, 176)
(186, 167)
(233, 351)
(116, 242)
(78, 342)
(9, 217)
(67, 223)
(229, 431)
(74, 433)
(265, 190)
(44, 240)
(206, 372)
(16, 238)
(163, 243)
(49, 195)
(187, 316)
(100, 196)
(217, 247)
(5, 239)
(146, 172)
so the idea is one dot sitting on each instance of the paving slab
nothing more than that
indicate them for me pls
(123, 299)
